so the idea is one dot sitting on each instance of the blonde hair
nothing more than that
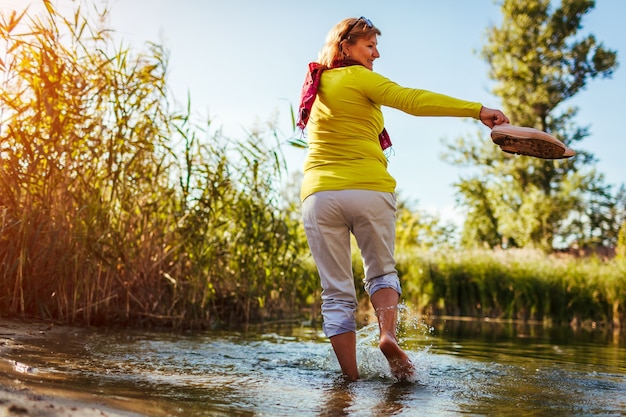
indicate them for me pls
(349, 30)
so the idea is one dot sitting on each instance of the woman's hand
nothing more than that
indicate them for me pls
(492, 117)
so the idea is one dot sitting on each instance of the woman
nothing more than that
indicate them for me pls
(347, 188)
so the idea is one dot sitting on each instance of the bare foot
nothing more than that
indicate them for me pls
(401, 366)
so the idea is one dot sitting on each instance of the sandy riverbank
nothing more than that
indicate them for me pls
(27, 402)
(25, 397)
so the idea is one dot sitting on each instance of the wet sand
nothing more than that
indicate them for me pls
(23, 397)
(27, 402)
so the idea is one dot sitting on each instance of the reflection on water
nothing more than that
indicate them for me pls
(465, 368)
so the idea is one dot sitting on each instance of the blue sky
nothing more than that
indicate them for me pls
(243, 62)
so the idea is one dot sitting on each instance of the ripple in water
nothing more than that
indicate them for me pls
(294, 372)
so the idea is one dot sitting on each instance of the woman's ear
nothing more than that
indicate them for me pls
(343, 48)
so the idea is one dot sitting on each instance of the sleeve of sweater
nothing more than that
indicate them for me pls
(417, 102)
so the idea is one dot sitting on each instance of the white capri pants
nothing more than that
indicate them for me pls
(329, 217)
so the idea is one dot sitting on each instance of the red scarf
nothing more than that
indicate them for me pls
(309, 92)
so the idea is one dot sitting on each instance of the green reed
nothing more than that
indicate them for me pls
(516, 284)
(116, 208)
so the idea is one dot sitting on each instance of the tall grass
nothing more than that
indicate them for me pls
(516, 285)
(114, 207)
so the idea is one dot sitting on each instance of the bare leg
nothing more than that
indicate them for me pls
(385, 302)
(344, 345)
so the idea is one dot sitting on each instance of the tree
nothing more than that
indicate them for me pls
(538, 62)
(621, 242)
(417, 230)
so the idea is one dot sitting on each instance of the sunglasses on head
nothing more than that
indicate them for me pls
(364, 20)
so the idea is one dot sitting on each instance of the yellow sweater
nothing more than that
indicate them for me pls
(346, 119)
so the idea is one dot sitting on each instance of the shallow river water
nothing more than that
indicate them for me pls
(464, 369)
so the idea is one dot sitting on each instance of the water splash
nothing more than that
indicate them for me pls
(413, 332)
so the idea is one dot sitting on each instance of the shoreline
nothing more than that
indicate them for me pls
(28, 402)
(24, 396)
